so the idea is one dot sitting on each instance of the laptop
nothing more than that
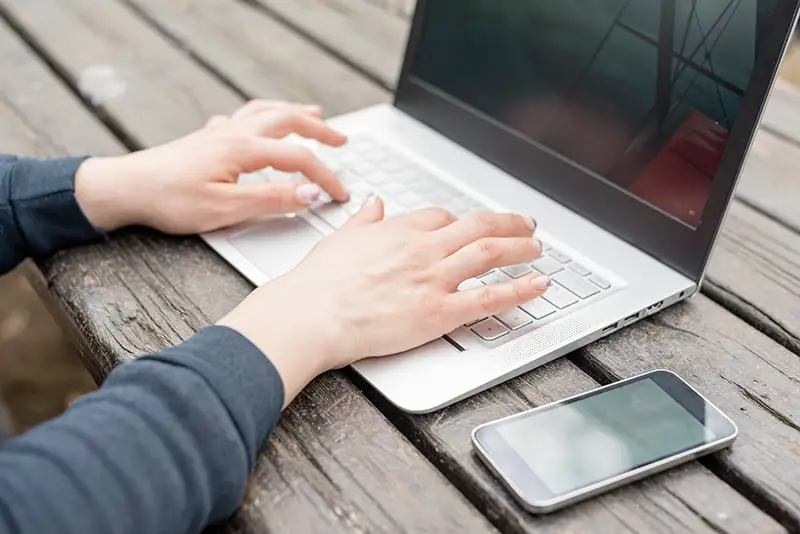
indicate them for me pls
(621, 126)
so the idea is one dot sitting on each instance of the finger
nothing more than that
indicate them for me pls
(371, 212)
(217, 120)
(289, 157)
(465, 307)
(482, 225)
(279, 124)
(429, 218)
(486, 254)
(255, 107)
(247, 201)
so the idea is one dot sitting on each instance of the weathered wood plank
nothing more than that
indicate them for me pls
(259, 55)
(782, 116)
(771, 180)
(746, 374)
(401, 8)
(689, 499)
(28, 97)
(361, 33)
(754, 271)
(138, 78)
(325, 470)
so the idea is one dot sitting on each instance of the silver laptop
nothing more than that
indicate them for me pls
(620, 126)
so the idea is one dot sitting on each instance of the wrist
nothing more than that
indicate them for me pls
(102, 189)
(296, 354)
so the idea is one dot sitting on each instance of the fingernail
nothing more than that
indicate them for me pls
(371, 200)
(308, 193)
(539, 244)
(542, 283)
(531, 222)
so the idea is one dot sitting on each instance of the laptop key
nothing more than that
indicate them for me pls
(559, 256)
(539, 308)
(490, 329)
(409, 198)
(560, 297)
(576, 283)
(470, 283)
(601, 282)
(514, 318)
(547, 265)
(495, 277)
(517, 271)
(580, 269)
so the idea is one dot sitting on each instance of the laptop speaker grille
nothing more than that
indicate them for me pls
(570, 330)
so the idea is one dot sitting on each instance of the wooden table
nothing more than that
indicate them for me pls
(342, 460)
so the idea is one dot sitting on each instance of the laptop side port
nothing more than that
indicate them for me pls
(629, 319)
(609, 329)
(655, 307)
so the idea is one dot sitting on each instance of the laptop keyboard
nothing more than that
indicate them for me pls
(366, 166)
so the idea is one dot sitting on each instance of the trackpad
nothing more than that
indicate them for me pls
(277, 245)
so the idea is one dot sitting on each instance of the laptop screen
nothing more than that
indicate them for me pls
(640, 94)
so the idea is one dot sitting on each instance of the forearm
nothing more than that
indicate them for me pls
(165, 445)
(39, 214)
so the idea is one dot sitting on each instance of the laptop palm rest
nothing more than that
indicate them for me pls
(277, 245)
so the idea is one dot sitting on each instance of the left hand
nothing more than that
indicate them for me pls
(190, 185)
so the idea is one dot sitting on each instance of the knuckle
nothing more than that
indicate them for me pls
(487, 250)
(285, 117)
(440, 216)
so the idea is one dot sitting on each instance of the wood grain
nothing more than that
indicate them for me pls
(754, 271)
(339, 470)
(29, 102)
(260, 56)
(771, 181)
(782, 116)
(362, 34)
(163, 93)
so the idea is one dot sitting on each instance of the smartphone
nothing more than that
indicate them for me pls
(568, 451)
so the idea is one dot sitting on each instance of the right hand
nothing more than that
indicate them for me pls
(378, 287)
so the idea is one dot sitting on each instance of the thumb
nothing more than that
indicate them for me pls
(370, 212)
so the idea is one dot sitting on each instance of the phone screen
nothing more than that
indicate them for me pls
(577, 443)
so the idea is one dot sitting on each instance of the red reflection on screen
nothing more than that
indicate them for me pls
(678, 180)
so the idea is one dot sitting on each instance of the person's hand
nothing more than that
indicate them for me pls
(378, 287)
(190, 185)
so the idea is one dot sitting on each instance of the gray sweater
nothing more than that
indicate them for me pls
(167, 443)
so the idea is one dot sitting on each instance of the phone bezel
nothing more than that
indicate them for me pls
(534, 495)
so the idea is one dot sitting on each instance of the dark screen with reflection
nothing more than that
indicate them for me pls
(640, 93)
